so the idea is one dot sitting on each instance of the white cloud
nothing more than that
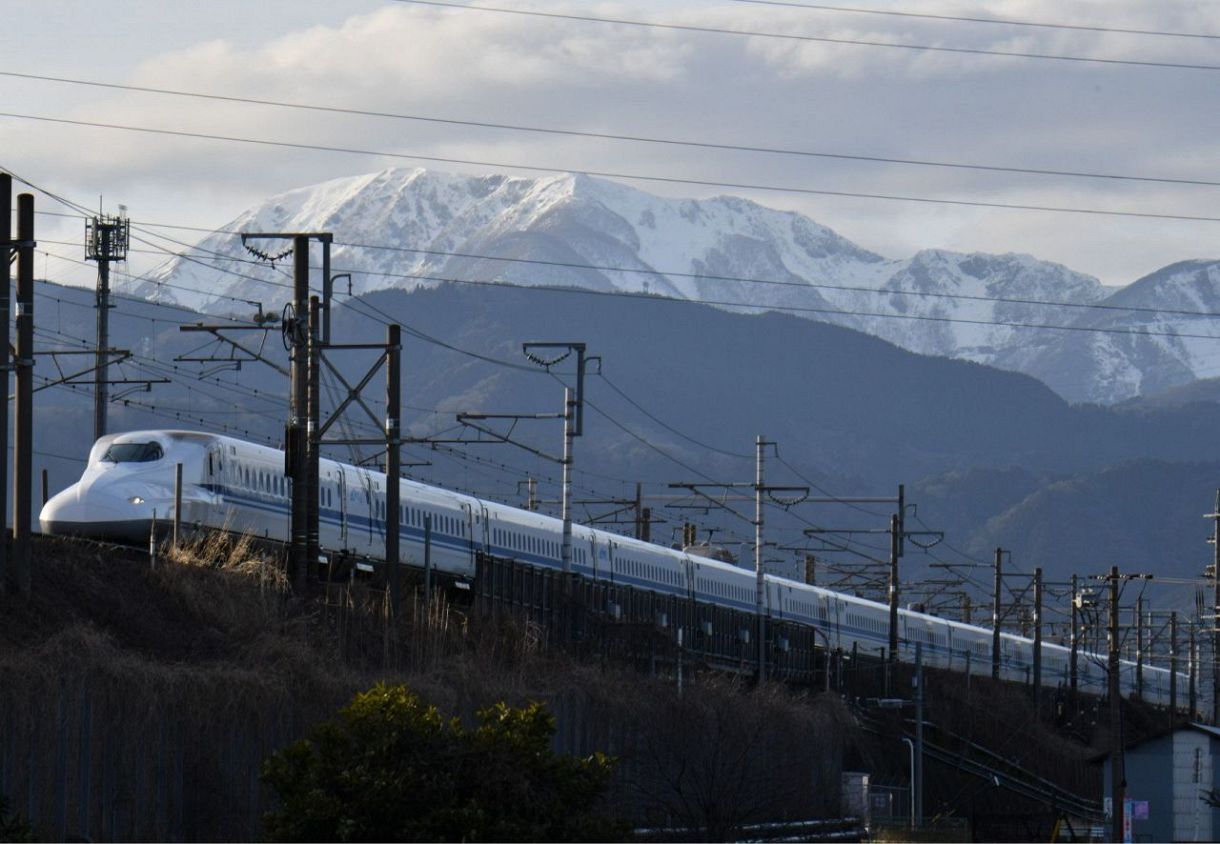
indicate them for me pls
(663, 83)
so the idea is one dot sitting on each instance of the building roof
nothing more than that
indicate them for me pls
(1207, 729)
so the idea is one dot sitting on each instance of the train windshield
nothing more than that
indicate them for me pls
(133, 453)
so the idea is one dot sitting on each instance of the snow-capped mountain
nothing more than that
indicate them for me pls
(410, 227)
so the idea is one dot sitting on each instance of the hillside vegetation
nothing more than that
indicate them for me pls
(140, 703)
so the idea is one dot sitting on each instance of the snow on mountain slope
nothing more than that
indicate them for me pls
(409, 227)
(1158, 333)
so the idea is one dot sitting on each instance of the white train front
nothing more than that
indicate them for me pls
(240, 487)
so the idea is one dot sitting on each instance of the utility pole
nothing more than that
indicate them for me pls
(23, 431)
(995, 615)
(1192, 688)
(918, 784)
(1139, 646)
(1117, 783)
(639, 512)
(6, 252)
(570, 411)
(759, 584)
(898, 535)
(573, 424)
(895, 533)
(1173, 666)
(1038, 640)
(296, 436)
(106, 240)
(760, 488)
(1074, 640)
(313, 452)
(393, 433)
(1215, 614)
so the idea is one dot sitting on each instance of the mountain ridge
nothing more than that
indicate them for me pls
(415, 227)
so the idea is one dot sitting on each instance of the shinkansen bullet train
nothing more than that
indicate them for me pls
(240, 487)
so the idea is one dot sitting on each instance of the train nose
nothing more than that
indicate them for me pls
(119, 512)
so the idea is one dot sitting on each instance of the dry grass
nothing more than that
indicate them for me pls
(149, 697)
(240, 555)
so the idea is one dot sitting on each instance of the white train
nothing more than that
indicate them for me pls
(240, 487)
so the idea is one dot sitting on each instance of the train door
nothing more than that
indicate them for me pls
(603, 558)
(775, 595)
(342, 482)
(688, 575)
(599, 559)
(376, 520)
(474, 527)
(214, 462)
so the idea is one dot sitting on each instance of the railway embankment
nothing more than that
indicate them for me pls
(139, 701)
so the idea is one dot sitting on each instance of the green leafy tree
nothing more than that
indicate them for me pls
(390, 768)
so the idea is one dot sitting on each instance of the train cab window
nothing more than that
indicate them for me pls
(133, 453)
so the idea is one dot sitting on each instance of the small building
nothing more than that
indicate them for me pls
(1167, 779)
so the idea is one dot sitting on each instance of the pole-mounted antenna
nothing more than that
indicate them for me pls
(106, 240)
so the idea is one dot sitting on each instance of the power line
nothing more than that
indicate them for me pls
(814, 285)
(958, 18)
(788, 36)
(898, 291)
(579, 133)
(674, 180)
(797, 309)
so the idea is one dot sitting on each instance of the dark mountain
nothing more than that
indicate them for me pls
(680, 393)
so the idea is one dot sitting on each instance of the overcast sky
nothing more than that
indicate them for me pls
(667, 83)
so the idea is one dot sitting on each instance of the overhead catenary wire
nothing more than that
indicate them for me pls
(792, 36)
(673, 180)
(856, 10)
(659, 273)
(522, 367)
(625, 137)
(795, 309)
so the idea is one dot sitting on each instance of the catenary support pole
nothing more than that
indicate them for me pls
(1117, 782)
(6, 237)
(1074, 640)
(996, 614)
(1173, 666)
(918, 784)
(1139, 647)
(297, 440)
(23, 430)
(895, 542)
(1215, 619)
(1192, 670)
(393, 438)
(759, 581)
(1038, 640)
(569, 434)
(313, 461)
